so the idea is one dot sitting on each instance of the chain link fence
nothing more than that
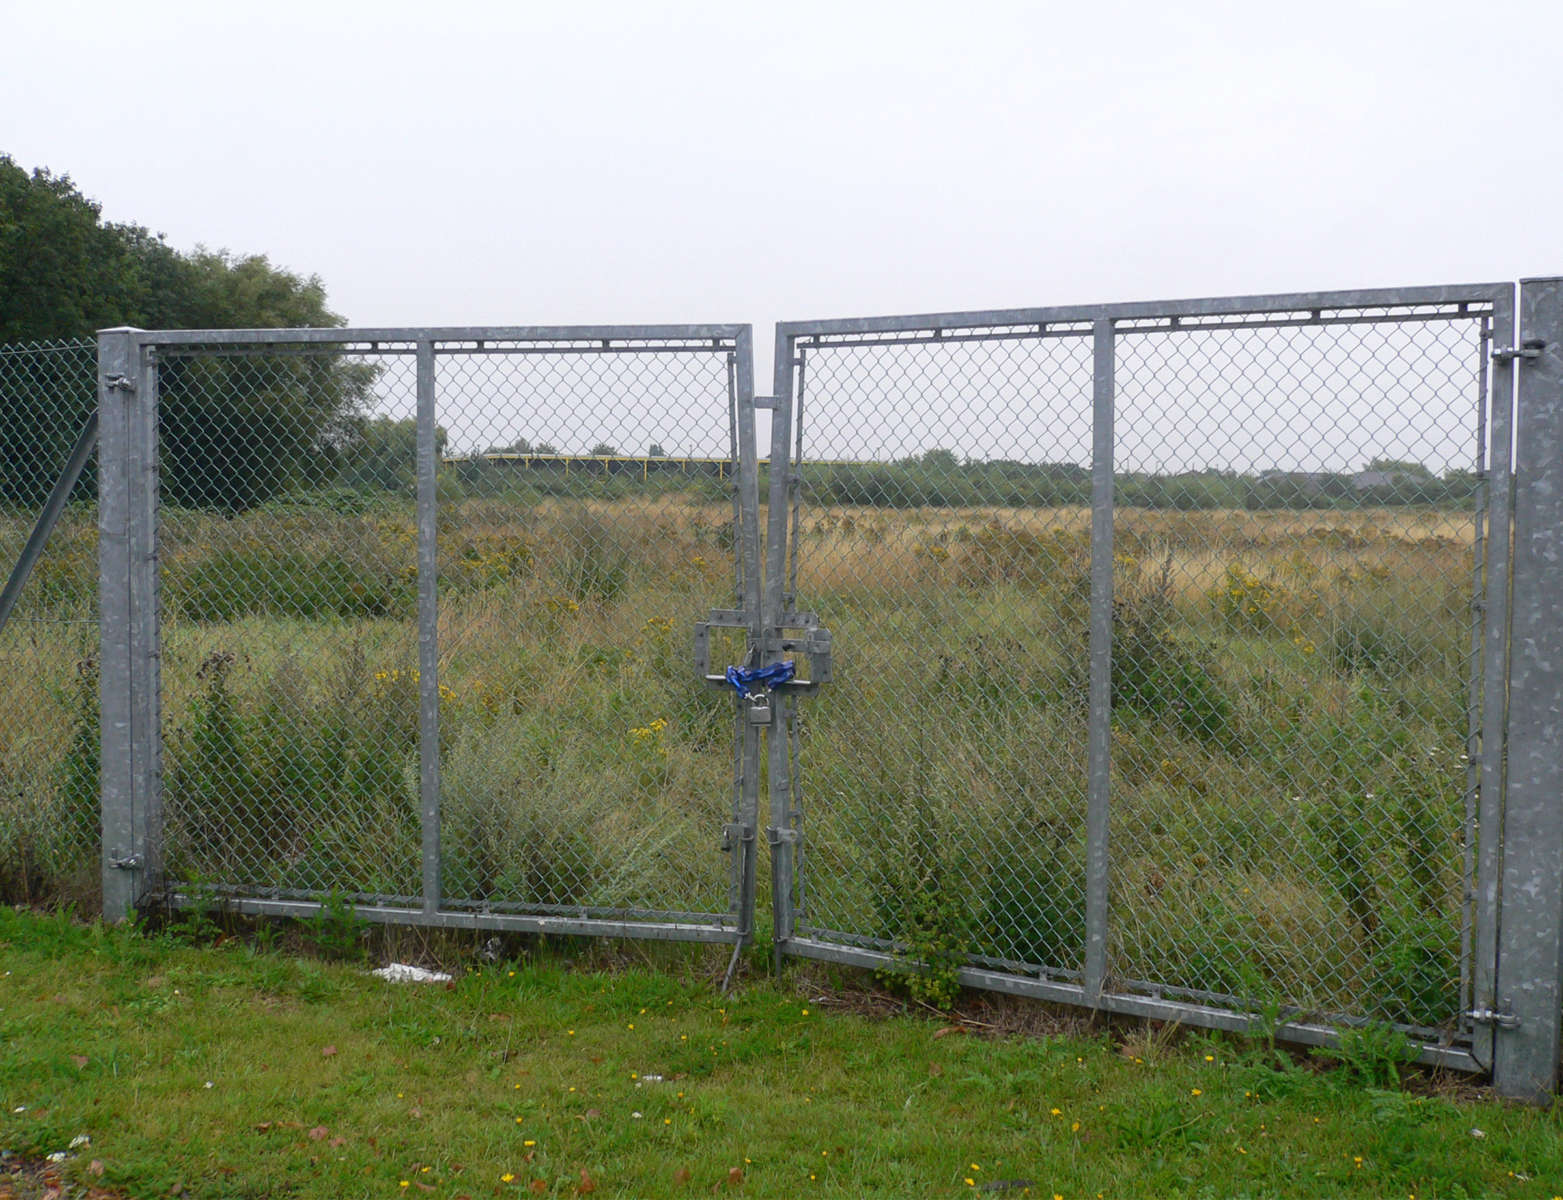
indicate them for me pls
(288, 592)
(943, 535)
(1254, 785)
(457, 686)
(1148, 657)
(49, 840)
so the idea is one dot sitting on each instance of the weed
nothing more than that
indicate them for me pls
(1371, 1056)
(335, 929)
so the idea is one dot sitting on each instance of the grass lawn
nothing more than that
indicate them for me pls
(230, 1071)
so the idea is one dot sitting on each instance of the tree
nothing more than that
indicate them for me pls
(239, 430)
(235, 431)
(603, 450)
(1402, 468)
(655, 450)
(382, 452)
(63, 274)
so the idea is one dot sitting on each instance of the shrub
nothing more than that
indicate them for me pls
(1156, 674)
(1250, 603)
(1058, 559)
(275, 582)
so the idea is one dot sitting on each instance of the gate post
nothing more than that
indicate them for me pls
(130, 699)
(1530, 931)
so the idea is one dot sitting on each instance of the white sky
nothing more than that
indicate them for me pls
(494, 163)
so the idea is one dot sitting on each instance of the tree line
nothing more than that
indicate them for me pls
(235, 432)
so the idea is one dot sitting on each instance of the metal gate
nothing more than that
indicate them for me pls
(1192, 660)
(405, 624)
(1170, 655)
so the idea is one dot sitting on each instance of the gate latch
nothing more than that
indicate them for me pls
(735, 834)
(1529, 348)
(1493, 1016)
(801, 633)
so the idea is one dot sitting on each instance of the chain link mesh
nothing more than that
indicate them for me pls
(1297, 557)
(288, 591)
(943, 534)
(1292, 663)
(584, 516)
(586, 519)
(49, 826)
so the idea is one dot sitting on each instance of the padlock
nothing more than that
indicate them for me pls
(759, 710)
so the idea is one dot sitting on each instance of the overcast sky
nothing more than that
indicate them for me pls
(528, 163)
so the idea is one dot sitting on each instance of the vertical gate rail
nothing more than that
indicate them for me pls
(1472, 313)
(699, 371)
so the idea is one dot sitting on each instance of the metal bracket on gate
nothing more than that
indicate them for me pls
(735, 834)
(119, 383)
(1493, 1016)
(720, 618)
(1529, 348)
(800, 633)
(811, 640)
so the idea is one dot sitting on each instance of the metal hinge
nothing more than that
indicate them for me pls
(119, 383)
(1529, 348)
(129, 862)
(782, 837)
(1492, 1016)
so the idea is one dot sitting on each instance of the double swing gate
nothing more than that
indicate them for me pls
(1193, 661)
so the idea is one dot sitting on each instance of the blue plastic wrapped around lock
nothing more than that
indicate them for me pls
(744, 679)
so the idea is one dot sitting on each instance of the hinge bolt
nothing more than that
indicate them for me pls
(1492, 1016)
(1529, 348)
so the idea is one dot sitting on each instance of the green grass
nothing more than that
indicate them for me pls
(226, 1071)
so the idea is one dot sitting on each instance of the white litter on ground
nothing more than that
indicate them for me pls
(405, 973)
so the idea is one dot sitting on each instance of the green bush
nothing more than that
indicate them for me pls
(1157, 674)
(274, 582)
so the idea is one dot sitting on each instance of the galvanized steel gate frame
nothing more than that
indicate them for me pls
(1515, 953)
(132, 736)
